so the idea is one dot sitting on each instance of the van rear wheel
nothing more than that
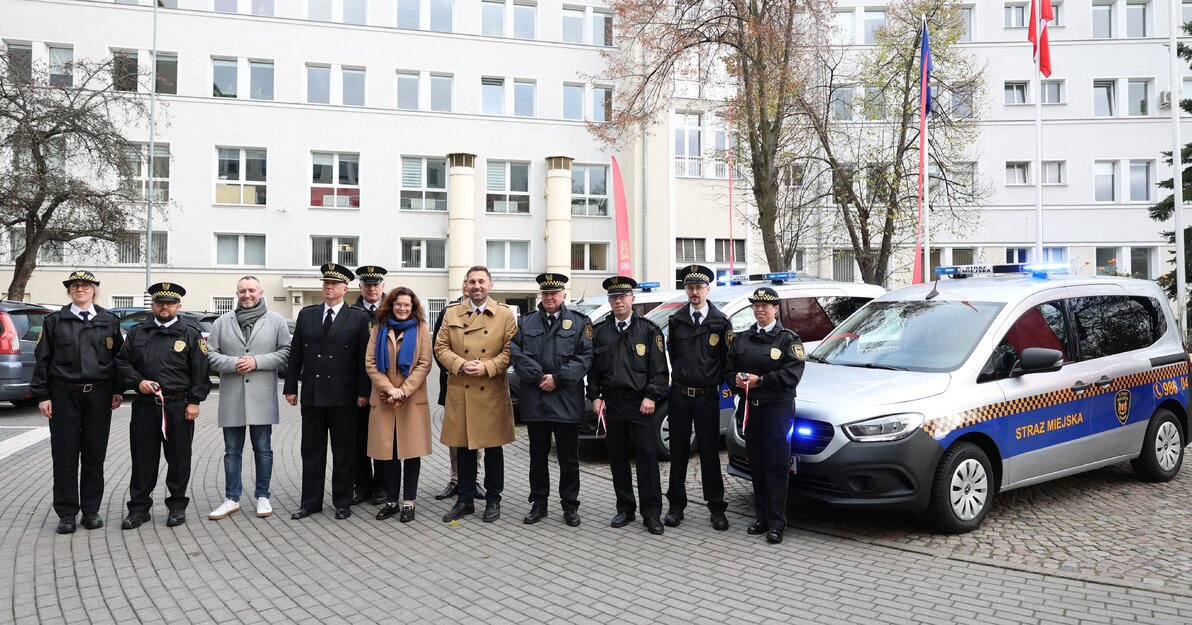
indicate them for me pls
(1162, 448)
(962, 491)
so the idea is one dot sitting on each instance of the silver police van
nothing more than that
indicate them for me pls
(934, 397)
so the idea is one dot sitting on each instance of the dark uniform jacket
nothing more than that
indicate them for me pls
(75, 352)
(174, 357)
(360, 305)
(442, 370)
(776, 355)
(697, 354)
(563, 350)
(330, 367)
(634, 360)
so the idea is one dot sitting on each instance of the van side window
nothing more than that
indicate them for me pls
(1041, 326)
(805, 316)
(839, 308)
(742, 319)
(1113, 324)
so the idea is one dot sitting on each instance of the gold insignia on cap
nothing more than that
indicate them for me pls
(775, 353)
(616, 281)
(331, 266)
(165, 286)
(372, 269)
(203, 345)
(798, 351)
(549, 278)
(641, 349)
(179, 345)
(713, 339)
(588, 330)
(567, 324)
(108, 342)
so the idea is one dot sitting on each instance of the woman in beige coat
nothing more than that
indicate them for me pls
(399, 423)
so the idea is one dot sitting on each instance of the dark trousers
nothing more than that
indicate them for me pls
(769, 452)
(79, 431)
(389, 473)
(494, 473)
(317, 422)
(625, 420)
(367, 472)
(147, 445)
(566, 437)
(703, 413)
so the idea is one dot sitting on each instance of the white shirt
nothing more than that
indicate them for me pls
(769, 327)
(478, 309)
(76, 310)
(703, 314)
(628, 321)
(165, 325)
(334, 309)
(371, 306)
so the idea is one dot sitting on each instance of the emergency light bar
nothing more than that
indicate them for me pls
(646, 287)
(1038, 270)
(776, 277)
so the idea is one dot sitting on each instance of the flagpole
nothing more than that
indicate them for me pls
(1177, 174)
(926, 200)
(1038, 164)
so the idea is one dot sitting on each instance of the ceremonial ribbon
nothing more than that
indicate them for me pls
(745, 418)
(601, 424)
(161, 401)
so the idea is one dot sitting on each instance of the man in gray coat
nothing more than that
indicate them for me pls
(247, 347)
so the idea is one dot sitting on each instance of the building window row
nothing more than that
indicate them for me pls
(1107, 184)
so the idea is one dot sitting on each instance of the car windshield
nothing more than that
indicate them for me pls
(661, 315)
(585, 307)
(908, 335)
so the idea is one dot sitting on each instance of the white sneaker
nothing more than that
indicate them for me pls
(224, 509)
(264, 510)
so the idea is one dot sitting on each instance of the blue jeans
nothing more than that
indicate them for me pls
(234, 447)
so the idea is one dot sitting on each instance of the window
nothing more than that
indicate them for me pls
(167, 73)
(1053, 92)
(843, 266)
(492, 92)
(1103, 98)
(965, 15)
(260, 77)
(123, 301)
(523, 98)
(844, 33)
(573, 101)
(407, 14)
(423, 183)
(842, 103)
(355, 11)
(241, 176)
(1015, 93)
(589, 256)
(874, 20)
(1107, 260)
(573, 25)
(1114, 324)
(442, 15)
(332, 249)
(226, 6)
(423, 254)
(441, 92)
(842, 182)
(407, 91)
(1018, 254)
(602, 104)
(434, 309)
(61, 70)
(336, 181)
(125, 72)
(353, 82)
(602, 28)
(239, 249)
(1137, 18)
(690, 250)
(1044, 326)
(589, 190)
(1057, 14)
(962, 101)
(1018, 172)
(1140, 262)
(1053, 172)
(1014, 16)
(223, 78)
(1104, 181)
(963, 255)
(20, 61)
(1102, 21)
(318, 10)
(318, 84)
(223, 303)
(138, 164)
(131, 249)
(49, 252)
(1138, 97)
(262, 7)
(525, 20)
(508, 254)
(1140, 181)
(508, 188)
(688, 145)
(1055, 254)
(492, 18)
(1186, 12)
(875, 103)
(722, 250)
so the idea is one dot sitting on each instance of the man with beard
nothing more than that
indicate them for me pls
(372, 291)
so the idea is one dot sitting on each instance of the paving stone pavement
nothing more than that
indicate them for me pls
(1099, 548)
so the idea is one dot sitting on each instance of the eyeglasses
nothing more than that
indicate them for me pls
(79, 285)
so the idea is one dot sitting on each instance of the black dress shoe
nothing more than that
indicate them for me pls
(176, 518)
(757, 527)
(719, 521)
(622, 519)
(480, 494)
(387, 511)
(378, 498)
(492, 512)
(654, 526)
(571, 517)
(448, 491)
(358, 497)
(66, 524)
(92, 521)
(458, 511)
(407, 513)
(536, 514)
(343, 513)
(673, 518)
(134, 520)
(774, 537)
(302, 513)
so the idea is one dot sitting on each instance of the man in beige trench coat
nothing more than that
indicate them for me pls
(473, 345)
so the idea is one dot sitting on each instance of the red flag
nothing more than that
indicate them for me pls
(624, 258)
(1037, 35)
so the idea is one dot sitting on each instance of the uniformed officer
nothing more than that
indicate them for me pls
(552, 352)
(765, 364)
(367, 487)
(165, 360)
(628, 377)
(75, 383)
(327, 355)
(698, 342)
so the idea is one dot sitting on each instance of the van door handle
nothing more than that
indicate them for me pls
(1081, 387)
(1103, 382)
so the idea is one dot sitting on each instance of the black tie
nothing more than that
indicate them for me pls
(372, 308)
(550, 321)
(86, 315)
(621, 326)
(327, 321)
(696, 315)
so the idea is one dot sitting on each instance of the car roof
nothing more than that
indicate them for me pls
(7, 305)
(1013, 289)
(732, 293)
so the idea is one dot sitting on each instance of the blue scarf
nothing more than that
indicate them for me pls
(405, 353)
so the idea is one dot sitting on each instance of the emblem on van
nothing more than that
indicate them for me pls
(1121, 406)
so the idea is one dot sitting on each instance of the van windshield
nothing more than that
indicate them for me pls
(910, 335)
(662, 313)
(585, 308)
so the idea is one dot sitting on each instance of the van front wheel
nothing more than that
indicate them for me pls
(962, 490)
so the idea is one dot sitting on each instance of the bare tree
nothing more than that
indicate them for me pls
(64, 158)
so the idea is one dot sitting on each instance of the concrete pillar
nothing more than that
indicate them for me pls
(558, 214)
(461, 218)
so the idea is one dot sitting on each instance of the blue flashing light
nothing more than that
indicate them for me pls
(779, 276)
(646, 286)
(803, 431)
(1038, 270)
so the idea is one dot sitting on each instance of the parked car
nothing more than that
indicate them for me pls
(20, 328)
(204, 320)
(935, 397)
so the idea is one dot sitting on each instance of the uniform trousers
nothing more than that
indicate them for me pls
(367, 472)
(768, 445)
(147, 445)
(317, 423)
(702, 412)
(566, 437)
(79, 431)
(389, 474)
(494, 473)
(625, 422)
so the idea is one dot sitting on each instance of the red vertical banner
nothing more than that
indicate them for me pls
(624, 255)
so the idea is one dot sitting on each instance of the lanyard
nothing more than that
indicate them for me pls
(161, 401)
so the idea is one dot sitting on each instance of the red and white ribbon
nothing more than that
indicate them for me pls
(601, 424)
(745, 418)
(161, 400)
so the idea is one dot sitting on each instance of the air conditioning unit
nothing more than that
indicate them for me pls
(1164, 98)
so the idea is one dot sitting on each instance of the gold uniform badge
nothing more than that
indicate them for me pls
(566, 324)
(713, 339)
(108, 342)
(798, 352)
(728, 337)
(775, 353)
(641, 349)
(179, 345)
(203, 345)
(658, 342)
(588, 330)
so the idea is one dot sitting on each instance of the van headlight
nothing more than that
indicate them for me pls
(888, 428)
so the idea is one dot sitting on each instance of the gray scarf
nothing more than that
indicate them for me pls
(246, 317)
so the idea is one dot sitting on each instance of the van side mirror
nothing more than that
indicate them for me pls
(1038, 360)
